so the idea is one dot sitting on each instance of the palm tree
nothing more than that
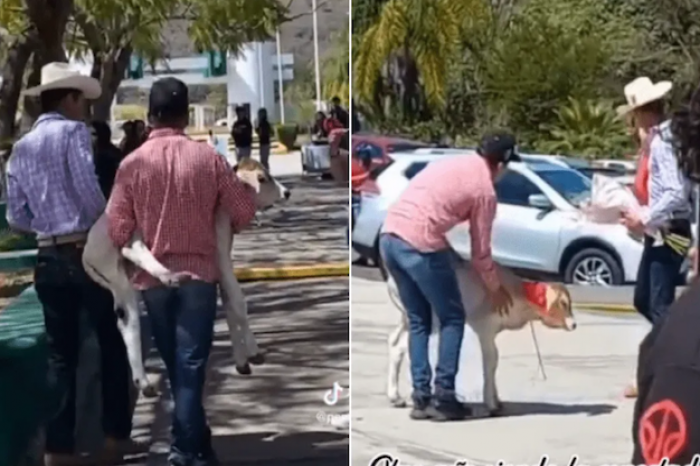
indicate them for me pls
(407, 49)
(336, 68)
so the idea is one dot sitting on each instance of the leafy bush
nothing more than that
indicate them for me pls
(287, 135)
(587, 128)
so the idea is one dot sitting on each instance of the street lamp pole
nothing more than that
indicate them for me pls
(280, 76)
(316, 58)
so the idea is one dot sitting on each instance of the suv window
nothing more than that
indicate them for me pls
(414, 169)
(514, 189)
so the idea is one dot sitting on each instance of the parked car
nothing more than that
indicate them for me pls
(537, 228)
(582, 166)
(371, 150)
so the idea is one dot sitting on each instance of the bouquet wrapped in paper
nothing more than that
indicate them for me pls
(609, 200)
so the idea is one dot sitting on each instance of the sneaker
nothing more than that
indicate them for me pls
(447, 410)
(418, 412)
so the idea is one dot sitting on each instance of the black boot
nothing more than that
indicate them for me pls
(447, 408)
(418, 412)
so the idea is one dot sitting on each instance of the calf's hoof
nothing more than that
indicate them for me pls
(149, 391)
(257, 359)
(244, 369)
(398, 402)
(495, 409)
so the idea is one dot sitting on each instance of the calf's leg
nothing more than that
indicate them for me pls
(489, 354)
(243, 342)
(102, 263)
(137, 252)
(398, 347)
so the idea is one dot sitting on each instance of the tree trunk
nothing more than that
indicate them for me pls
(12, 76)
(50, 19)
(113, 69)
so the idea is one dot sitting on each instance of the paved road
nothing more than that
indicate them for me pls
(580, 294)
(577, 410)
(270, 417)
(309, 228)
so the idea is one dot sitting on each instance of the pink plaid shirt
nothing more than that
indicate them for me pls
(444, 194)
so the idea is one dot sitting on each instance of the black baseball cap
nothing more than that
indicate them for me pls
(169, 98)
(499, 146)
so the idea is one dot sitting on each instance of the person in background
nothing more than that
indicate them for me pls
(211, 140)
(666, 417)
(56, 157)
(339, 113)
(133, 137)
(242, 134)
(128, 128)
(417, 255)
(668, 203)
(169, 189)
(319, 129)
(264, 131)
(107, 156)
(668, 200)
(140, 131)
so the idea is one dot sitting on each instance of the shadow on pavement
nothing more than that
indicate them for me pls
(270, 417)
(524, 408)
(328, 448)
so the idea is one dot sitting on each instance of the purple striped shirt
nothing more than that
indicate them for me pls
(52, 187)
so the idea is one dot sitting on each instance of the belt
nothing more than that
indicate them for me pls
(73, 238)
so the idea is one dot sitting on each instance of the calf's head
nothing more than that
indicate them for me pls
(268, 191)
(557, 312)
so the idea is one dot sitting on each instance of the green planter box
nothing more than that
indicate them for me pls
(24, 396)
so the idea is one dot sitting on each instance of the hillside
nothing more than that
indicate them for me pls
(296, 36)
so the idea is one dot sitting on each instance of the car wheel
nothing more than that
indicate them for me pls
(593, 266)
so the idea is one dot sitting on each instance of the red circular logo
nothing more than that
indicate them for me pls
(663, 431)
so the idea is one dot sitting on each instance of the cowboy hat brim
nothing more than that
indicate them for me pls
(659, 92)
(90, 87)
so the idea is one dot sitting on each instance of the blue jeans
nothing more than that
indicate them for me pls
(182, 324)
(657, 277)
(427, 281)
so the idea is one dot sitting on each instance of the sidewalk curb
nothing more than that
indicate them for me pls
(331, 269)
(623, 308)
(25, 260)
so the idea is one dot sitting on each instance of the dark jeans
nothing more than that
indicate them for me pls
(427, 281)
(182, 324)
(657, 277)
(65, 292)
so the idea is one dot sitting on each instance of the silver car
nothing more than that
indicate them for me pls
(537, 227)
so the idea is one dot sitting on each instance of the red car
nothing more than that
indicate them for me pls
(369, 155)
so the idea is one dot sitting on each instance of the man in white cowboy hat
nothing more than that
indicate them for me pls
(669, 209)
(53, 192)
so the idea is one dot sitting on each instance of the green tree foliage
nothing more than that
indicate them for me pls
(535, 66)
(335, 73)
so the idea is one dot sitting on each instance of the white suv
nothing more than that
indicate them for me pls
(537, 228)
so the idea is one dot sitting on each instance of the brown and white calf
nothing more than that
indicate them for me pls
(554, 312)
(105, 264)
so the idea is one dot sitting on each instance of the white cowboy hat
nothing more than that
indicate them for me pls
(643, 91)
(60, 76)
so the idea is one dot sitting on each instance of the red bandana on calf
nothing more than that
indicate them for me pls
(536, 293)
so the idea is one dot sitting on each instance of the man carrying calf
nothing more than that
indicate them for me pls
(169, 190)
(53, 192)
(417, 255)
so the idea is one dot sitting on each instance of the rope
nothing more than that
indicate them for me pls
(537, 349)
